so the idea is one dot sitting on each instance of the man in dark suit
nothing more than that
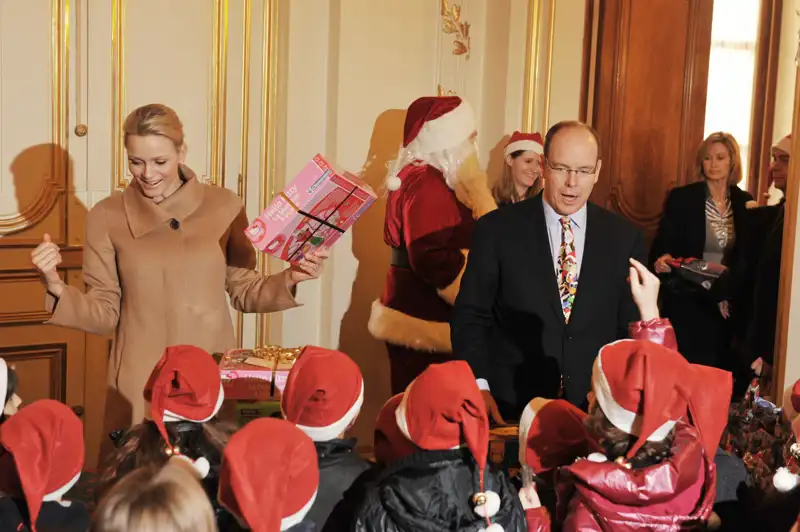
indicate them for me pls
(546, 284)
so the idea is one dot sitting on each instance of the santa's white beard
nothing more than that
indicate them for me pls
(448, 161)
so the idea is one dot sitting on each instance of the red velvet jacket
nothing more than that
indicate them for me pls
(664, 497)
(424, 218)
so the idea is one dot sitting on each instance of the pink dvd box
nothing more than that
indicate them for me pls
(316, 208)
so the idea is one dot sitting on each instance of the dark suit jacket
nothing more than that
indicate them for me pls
(507, 321)
(682, 231)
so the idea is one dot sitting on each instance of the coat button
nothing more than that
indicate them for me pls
(175, 224)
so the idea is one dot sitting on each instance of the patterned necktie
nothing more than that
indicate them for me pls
(568, 268)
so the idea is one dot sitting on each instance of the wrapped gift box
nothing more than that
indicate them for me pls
(504, 448)
(313, 211)
(256, 374)
(242, 379)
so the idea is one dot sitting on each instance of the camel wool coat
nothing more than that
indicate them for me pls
(157, 275)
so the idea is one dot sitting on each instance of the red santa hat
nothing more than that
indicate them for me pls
(185, 385)
(785, 144)
(796, 396)
(443, 407)
(269, 475)
(45, 440)
(323, 394)
(524, 142)
(390, 443)
(433, 124)
(644, 388)
(552, 434)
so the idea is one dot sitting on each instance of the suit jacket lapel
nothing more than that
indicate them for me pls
(543, 257)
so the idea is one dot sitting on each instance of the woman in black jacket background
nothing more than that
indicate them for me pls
(702, 220)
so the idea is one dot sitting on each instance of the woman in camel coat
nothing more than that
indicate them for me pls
(158, 261)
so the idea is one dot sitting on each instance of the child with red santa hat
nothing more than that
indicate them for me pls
(41, 458)
(184, 392)
(323, 397)
(447, 484)
(269, 477)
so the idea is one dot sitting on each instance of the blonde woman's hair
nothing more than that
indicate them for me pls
(154, 119)
(504, 190)
(169, 499)
(727, 140)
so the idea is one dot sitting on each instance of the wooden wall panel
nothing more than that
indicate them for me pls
(649, 101)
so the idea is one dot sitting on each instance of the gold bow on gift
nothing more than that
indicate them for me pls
(272, 356)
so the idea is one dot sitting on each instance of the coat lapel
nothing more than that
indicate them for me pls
(543, 257)
(144, 215)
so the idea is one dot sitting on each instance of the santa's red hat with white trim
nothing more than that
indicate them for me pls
(185, 385)
(644, 388)
(45, 440)
(323, 394)
(524, 142)
(552, 434)
(433, 124)
(390, 443)
(443, 407)
(269, 475)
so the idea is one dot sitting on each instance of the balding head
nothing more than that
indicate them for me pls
(572, 165)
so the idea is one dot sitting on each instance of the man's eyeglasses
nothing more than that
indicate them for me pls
(563, 170)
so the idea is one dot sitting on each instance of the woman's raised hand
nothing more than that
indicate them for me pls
(46, 258)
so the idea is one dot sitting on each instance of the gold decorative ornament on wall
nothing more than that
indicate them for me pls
(453, 25)
(440, 91)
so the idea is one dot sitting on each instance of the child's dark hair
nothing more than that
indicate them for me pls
(12, 384)
(615, 443)
(143, 446)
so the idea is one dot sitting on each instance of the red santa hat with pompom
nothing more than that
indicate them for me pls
(443, 407)
(644, 388)
(323, 394)
(524, 142)
(269, 475)
(433, 124)
(185, 385)
(552, 434)
(390, 443)
(784, 479)
(45, 441)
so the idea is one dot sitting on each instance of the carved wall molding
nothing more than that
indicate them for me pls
(54, 184)
(56, 353)
(218, 90)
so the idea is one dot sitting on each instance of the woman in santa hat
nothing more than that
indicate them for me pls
(522, 171)
(447, 484)
(41, 458)
(657, 421)
(269, 477)
(323, 397)
(184, 391)
(8, 391)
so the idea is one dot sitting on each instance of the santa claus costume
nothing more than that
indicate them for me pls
(41, 458)
(431, 209)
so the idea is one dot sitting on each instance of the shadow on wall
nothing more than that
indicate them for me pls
(497, 159)
(373, 257)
